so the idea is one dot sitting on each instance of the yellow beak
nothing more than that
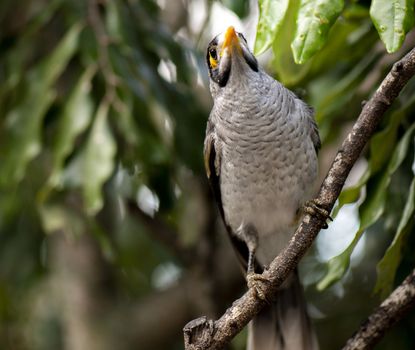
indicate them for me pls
(231, 41)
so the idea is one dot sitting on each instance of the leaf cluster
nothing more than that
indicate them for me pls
(98, 110)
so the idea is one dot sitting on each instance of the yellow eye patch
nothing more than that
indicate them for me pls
(212, 61)
(213, 57)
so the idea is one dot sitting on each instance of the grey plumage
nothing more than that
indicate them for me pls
(261, 159)
(285, 324)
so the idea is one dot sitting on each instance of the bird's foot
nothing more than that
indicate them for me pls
(257, 283)
(314, 207)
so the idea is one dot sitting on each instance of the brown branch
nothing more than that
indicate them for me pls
(393, 309)
(208, 334)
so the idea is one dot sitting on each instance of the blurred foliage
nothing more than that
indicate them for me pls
(83, 105)
(239, 7)
(314, 18)
(103, 106)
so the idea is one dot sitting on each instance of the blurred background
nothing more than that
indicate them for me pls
(109, 236)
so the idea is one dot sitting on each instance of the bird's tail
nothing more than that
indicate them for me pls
(284, 325)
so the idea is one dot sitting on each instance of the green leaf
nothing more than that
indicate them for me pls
(370, 211)
(271, 16)
(315, 18)
(342, 90)
(344, 41)
(99, 160)
(74, 120)
(125, 120)
(381, 147)
(289, 73)
(382, 144)
(95, 164)
(351, 194)
(392, 19)
(17, 58)
(53, 66)
(387, 266)
(114, 21)
(336, 267)
(400, 151)
(23, 123)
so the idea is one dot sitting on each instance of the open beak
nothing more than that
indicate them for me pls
(231, 42)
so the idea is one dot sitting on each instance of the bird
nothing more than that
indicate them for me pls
(260, 156)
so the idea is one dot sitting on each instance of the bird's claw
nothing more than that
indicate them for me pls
(257, 284)
(313, 207)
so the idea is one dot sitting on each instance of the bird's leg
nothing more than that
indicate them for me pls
(314, 207)
(255, 281)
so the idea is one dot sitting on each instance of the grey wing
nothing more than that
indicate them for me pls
(307, 113)
(314, 134)
(212, 160)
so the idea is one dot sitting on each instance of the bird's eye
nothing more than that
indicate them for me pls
(213, 57)
(213, 54)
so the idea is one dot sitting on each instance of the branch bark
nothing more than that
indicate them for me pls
(393, 309)
(207, 334)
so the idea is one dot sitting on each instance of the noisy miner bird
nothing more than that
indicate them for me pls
(261, 160)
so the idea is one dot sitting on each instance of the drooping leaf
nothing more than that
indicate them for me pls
(315, 18)
(351, 194)
(53, 66)
(344, 42)
(401, 151)
(342, 91)
(271, 16)
(15, 59)
(125, 120)
(288, 72)
(74, 120)
(113, 21)
(23, 123)
(392, 19)
(369, 212)
(382, 144)
(336, 267)
(381, 148)
(387, 266)
(95, 163)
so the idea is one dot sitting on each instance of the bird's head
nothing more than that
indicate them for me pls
(226, 52)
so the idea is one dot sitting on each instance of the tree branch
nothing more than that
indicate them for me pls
(392, 310)
(207, 334)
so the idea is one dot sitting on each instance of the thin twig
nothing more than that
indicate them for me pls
(112, 81)
(207, 334)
